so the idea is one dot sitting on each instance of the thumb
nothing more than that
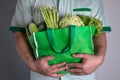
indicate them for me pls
(80, 55)
(47, 58)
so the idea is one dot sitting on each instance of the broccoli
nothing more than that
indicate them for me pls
(92, 21)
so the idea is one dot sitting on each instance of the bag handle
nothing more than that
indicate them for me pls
(68, 47)
(71, 34)
(91, 36)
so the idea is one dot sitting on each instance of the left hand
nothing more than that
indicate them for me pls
(89, 64)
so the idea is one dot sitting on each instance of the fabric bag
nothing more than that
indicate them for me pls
(62, 43)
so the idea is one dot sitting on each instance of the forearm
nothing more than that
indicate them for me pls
(100, 45)
(23, 48)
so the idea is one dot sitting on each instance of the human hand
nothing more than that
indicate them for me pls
(41, 66)
(89, 64)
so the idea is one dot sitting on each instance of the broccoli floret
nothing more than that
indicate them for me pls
(98, 24)
(85, 19)
(91, 21)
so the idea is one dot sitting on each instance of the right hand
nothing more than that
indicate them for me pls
(41, 66)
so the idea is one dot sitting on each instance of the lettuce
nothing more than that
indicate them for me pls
(92, 21)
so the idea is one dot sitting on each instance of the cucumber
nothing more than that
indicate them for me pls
(33, 28)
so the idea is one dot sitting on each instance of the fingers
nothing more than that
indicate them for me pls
(80, 55)
(44, 60)
(58, 67)
(45, 69)
(75, 65)
(77, 71)
(47, 58)
(80, 71)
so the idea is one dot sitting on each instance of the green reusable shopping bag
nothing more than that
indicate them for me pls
(62, 43)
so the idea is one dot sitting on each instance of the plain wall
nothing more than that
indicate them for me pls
(110, 69)
(12, 66)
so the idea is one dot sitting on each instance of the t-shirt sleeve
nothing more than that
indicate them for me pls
(98, 12)
(22, 16)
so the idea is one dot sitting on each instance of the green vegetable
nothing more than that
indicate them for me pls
(85, 19)
(70, 20)
(51, 17)
(98, 24)
(32, 28)
(91, 21)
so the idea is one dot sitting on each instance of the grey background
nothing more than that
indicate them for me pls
(12, 66)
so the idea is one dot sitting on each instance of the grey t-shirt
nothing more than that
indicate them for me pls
(28, 10)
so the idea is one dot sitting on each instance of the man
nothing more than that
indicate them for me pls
(28, 10)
